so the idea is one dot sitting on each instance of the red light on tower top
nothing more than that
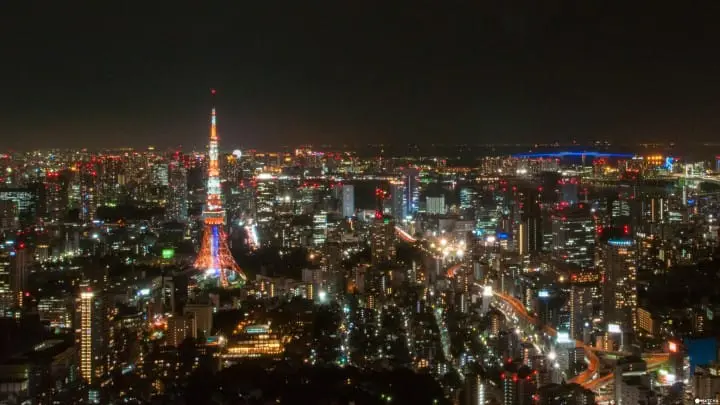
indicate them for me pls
(213, 91)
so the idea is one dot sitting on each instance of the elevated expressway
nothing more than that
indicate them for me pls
(589, 378)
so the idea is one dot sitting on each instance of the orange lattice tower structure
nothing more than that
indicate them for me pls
(214, 257)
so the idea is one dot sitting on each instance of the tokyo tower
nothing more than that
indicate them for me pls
(214, 257)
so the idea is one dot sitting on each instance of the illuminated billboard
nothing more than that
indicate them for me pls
(487, 291)
(543, 294)
(614, 328)
(168, 254)
(563, 337)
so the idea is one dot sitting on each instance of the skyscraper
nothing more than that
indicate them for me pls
(382, 232)
(620, 284)
(93, 335)
(411, 180)
(398, 205)
(214, 257)
(532, 218)
(348, 200)
(177, 208)
(573, 231)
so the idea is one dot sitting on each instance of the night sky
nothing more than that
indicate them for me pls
(287, 72)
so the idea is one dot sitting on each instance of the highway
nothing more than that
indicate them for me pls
(587, 378)
(584, 378)
(404, 235)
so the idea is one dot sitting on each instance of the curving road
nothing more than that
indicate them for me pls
(588, 377)
(584, 378)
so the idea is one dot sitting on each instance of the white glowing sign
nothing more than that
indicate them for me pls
(563, 337)
(614, 328)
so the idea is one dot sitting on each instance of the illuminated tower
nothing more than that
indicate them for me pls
(214, 257)
(94, 335)
(86, 354)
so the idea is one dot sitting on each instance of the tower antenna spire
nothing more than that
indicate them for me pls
(214, 257)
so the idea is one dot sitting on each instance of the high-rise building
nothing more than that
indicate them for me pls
(468, 196)
(398, 206)
(266, 198)
(55, 196)
(531, 216)
(620, 283)
(179, 328)
(569, 190)
(573, 231)
(319, 228)
(93, 336)
(435, 205)
(382, 240)
(159, 174)
(411, 180)
(203, 318)
(26, 201)
(519, 385)
(21, 259)
(9, 221)
(580, 305)
(474, 390)
(348, 200)
(177, 208)
(56, 311)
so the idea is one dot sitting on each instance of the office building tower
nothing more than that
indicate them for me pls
(9, 220)
(474, 390)
(398, 206)
(435, 205)
(531, 216)
(177, 205)
(569, 190)
(632, 383)
(523, 239)
(93, 339)
(21, 260)
(348, 200)
(26, 202)
(382, 240)
(203, 318)
(411, 180)
(580, 305)
(179, 328)
(159, 175)
(468, 197)
(573, 231)
(319, 228)
(519, 385)
(266, 198)
(56, 311)
(620, 283)
(56, 200)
